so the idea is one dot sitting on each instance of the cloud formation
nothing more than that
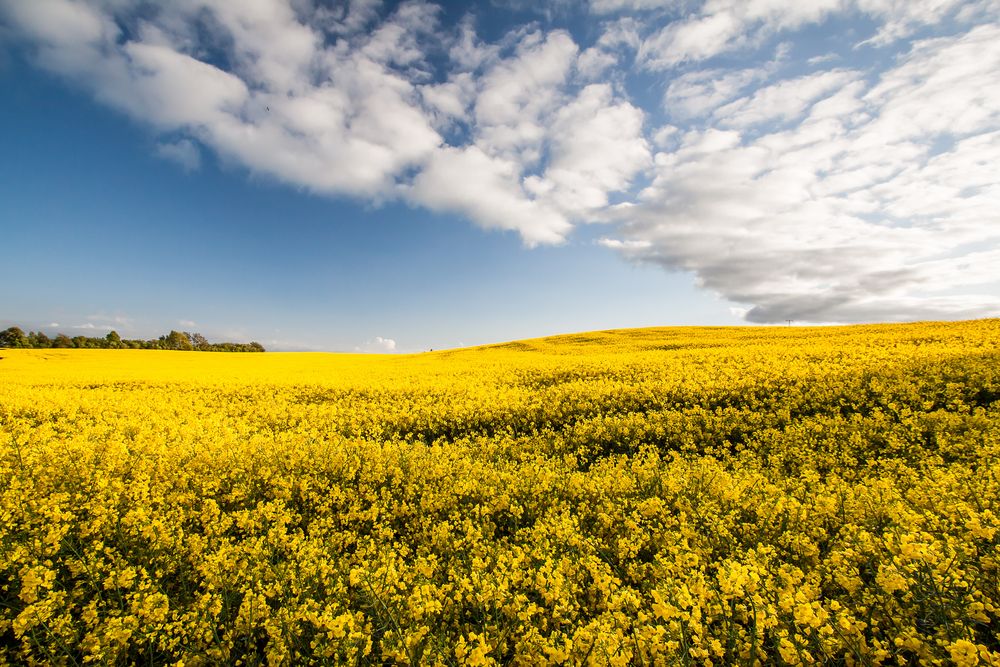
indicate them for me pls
(858, 201)
(722, 26)
(829, 188)
(183, 152)
(386, 344)
(379, 345)
(346, 102)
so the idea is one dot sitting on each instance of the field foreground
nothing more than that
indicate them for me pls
(654, 496)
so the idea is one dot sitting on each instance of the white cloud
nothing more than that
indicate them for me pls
(519, 93)
(379, 344)
(611, 6)
(596, 148)
(172, 89)
(541, 156)
(346, 18)
(183, 152)
(110, 321)
(488, 190)
(699, 92)
(187, 323)
(783, 101)
(618, 244)
(664, 136)
(829, 195)
(901, 18)
(290, 106)
(696, 38)
(467, 52)
(958, 75)
(450, 100)
(621, 34)
(618, 41)
(880, 203)
(102, 323)
(721, 26)
(398, 42)
(342, 102)
(825, 58)
(594, 63)
(592, 142)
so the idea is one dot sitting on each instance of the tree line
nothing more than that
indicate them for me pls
(175, 340)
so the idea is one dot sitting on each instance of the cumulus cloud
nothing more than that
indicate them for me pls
(596, 147)
(348, 100)
(487, 189)
(864, 201)
(288, 106)
(519, 93)
(542, 154)
(841, 191)
(595, 62)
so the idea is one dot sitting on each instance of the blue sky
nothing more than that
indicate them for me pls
(403, 176)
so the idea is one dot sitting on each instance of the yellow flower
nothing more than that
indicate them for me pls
(964, 653)
(621, 497)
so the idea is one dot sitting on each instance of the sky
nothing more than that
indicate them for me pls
(400, 176)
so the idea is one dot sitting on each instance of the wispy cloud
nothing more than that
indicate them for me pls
(722, 26)
(183, 152)
(102, 320)
(379, 344)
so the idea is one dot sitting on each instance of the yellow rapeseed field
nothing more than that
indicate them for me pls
(647, 497)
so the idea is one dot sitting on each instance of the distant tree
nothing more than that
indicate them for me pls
(177, 340)
(13, 337)
(200, 342)
(38, 339)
